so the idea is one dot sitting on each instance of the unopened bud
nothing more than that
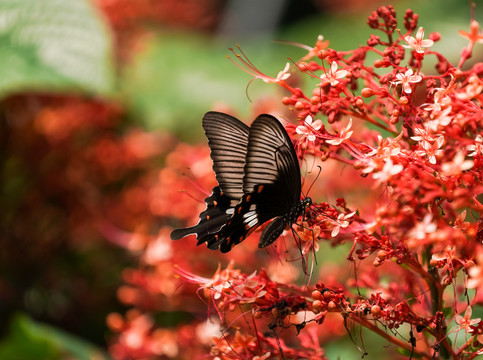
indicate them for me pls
(378, 63)
(376, 310)
(331, 306)
(382, 254)
(316, 294)
(317, 305)
(366, 92)
(314, 100)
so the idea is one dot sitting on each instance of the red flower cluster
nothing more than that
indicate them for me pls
(414, 138)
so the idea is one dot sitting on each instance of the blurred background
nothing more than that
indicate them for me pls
(101, 106)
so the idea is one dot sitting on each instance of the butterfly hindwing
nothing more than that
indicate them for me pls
(273, 231)
(212, 218)
(246, 218)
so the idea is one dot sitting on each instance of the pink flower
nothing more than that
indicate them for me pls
(344, 134)
(406, 80)
(282, 75)
(423, 137)
(333, 75)
(477, 148)
(442, 120)
(431, 150)
(457, 166)
(475, 276)
(417, 43)
(465, 322)
(320, 45)
(474, 35)
(309, 129)
(254, 290)
(341, 222)
(387, 147)
(472, 90)
(430, 145)
(427, 226)
(388, 171)
(249, 68)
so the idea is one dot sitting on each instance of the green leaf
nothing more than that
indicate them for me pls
(176, 78)
(29, 340)
(408, 353)
(53, 45)
(448, 312)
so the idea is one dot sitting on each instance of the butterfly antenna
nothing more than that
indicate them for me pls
(313, 182)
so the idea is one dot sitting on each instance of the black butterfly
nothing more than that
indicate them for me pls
(259, 179)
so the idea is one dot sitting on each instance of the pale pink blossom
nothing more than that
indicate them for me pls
(406, 80)
(333, 75)
(472, 89)
(441, 120)
(341, 222)
(320, 45)
(477, 148)
(440, 100)
(282, 75)
(448, 254)
(343, 135)
(465, 322)
(388, 171)
(250, 284)
(475, 277)
(418, 43)
(430, 146)
(309, 129)
(387, 147)
(250, 68)
(421, 229)
(423, 137)
(457, 165)
(474, 35)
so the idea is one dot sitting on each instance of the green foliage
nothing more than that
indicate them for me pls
(28, 339)
(177, 78)
(53, 45)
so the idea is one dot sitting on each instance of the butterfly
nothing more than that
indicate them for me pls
(258, 178)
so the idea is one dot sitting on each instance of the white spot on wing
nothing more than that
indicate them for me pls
(249, 214)
(253, 222)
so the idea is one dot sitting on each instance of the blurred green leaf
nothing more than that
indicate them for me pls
(53, 45)
(28, 339)
(177, 78)
(448, 312)
(408, 354)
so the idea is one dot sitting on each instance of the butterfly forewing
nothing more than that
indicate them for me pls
(271, 185)
(228, 141)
